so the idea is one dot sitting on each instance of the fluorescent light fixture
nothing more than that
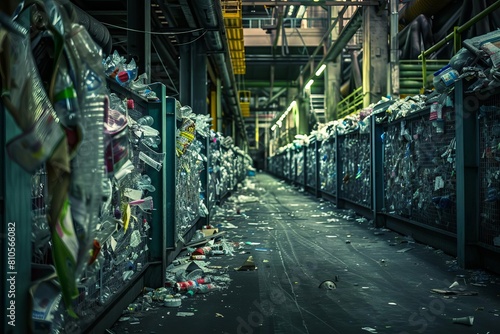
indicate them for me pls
(309, 84)
(279, 124)
(320, 70)
(301, 11)
(273, 127)
(292, 105)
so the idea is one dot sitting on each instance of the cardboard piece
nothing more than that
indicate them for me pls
(209, 231)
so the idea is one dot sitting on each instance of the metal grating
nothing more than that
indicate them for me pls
(311, 165)
(355, 151)
(40, 226)
(489, 172)
(419, 165)
(299, 158)
(328, 167)
(233, 22)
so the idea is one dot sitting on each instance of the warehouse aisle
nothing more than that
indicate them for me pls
(323, 270)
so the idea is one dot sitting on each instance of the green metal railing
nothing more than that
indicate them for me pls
(416, 75)
(351, 103)
(456, 36)
(413, 74)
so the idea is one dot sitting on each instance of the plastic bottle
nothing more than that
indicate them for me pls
(152, 141)
(187, 285)
(146, 120)
(205, 288)
(444, 78)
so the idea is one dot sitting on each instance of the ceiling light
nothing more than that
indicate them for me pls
(301, 11)
(292, 104)
(320, 70)
(279, 124)
(273, 127)
(309, 84)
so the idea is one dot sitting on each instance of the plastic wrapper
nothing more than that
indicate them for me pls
(28, 103)
(113, 63)
(185, 136)
(127, 73)
(202, 125)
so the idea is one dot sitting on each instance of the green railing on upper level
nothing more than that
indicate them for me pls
(351, 103)
(415, 75)
(456, 36)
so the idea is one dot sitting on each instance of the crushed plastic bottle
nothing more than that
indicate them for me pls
(444, 78)
(205, 288)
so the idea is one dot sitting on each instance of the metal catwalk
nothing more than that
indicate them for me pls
(323, 270)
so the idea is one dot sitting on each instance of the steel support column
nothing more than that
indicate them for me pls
(394, 68)
(467, 162)
(219, 106)
(333, 82)
(375, 55)
(193, 76)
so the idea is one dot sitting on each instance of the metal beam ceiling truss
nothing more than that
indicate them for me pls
(310, 3)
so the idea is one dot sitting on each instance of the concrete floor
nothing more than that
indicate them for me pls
(383, 280)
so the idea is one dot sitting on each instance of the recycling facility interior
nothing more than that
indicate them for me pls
(126, 125)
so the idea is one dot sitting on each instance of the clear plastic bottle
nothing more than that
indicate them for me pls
(145, 120)
(444, 78)
(205, 288)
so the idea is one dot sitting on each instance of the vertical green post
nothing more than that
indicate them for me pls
(377, 148)
(338, 167)
(305, 149)
(163, 118)
(16, 235)
(317, 145)
(467, 162)
(424, 70)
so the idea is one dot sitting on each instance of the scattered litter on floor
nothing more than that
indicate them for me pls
(327, 285)
(404, 250)
(469, 321)
(249, 264)
(392, 303)
(369, 329)
(184, 314)
(454, 292)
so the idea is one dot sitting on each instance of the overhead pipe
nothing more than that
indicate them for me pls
(210, 13)
(417, 7)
